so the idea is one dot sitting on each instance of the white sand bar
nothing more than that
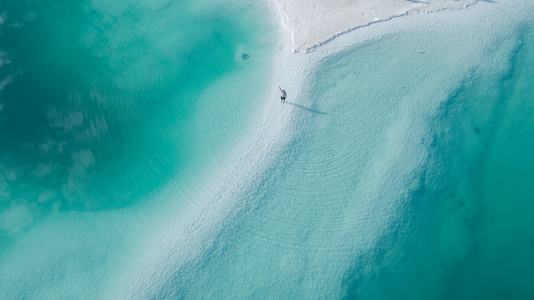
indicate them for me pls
(314, 22)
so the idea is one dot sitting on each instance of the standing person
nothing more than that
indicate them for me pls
(283, 96)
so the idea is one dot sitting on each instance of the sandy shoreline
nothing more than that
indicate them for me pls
(313, 23)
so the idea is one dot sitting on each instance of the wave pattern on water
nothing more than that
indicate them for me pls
(103, 105)
(373, 191)
(366, 184)
(93, 95)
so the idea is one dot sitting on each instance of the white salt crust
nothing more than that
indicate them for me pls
(314, 22)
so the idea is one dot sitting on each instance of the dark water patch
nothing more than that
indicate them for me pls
(502, 194)
(446, 253)
(245, 56)
(96, 115)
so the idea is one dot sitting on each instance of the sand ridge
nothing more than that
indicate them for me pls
(314, 22)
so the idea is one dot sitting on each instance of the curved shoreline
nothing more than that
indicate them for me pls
(262, 231)
(313, 23)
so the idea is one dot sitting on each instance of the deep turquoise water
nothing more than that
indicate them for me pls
(500, 263)
(102, 107)
(487, 204)
(471, 226)
(104, 104)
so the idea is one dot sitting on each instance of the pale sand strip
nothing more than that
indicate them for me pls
(314, 22)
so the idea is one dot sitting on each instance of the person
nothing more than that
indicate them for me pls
(283, 96)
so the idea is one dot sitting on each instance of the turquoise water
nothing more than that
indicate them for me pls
(470, 230)
(103, 104)
(406, 174)
(486, 209)
(500, 263)
(103, 107)
(381, 191)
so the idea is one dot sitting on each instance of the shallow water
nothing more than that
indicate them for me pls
(500, 262)
(467, 231)
(379, 191)
(104, 104)
(398, 168)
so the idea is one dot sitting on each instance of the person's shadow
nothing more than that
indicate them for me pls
(307, 108)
